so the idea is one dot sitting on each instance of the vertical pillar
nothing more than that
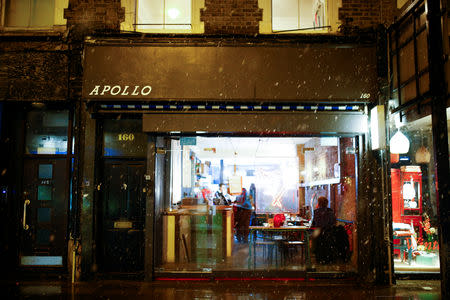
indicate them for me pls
(438, 91)
(150, 210)
(365, 209)
(85, 188)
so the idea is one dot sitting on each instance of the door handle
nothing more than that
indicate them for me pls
(25, 225)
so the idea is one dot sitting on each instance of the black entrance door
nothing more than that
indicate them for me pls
(44, 213)
(123, 216)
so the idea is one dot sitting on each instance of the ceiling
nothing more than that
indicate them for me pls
(246, 150)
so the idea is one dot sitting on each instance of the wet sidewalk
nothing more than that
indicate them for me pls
(241, 290)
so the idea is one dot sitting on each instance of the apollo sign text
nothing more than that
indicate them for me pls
(119, 90)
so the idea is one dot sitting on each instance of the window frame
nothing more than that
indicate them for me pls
(131, 23)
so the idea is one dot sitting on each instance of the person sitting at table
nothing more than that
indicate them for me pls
(221, 197)
(324, 220)
(323, 216)
(244, 206)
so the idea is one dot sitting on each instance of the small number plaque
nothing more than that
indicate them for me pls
(126, 137)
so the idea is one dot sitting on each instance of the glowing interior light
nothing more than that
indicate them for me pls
(399, 143)
(173, 13)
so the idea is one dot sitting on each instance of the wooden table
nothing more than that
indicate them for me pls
(304, 230)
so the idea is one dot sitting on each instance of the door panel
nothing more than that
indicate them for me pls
(123, 216)
(44, 215)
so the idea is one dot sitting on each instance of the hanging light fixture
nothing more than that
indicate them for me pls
(399, 143)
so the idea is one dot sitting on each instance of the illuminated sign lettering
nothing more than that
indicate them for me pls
(119, 90)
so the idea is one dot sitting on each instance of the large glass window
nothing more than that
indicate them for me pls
(298, 14)
(414, 203)
(29, 13)
(164, 14)
(47, 132)
(253, 203)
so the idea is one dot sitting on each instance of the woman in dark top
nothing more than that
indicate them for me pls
(325, 220)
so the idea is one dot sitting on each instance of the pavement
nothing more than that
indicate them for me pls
(218, 289)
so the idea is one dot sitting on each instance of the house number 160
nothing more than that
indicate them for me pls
(126, 137)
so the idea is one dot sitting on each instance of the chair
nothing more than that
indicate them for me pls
(270, 245)
(289, 248)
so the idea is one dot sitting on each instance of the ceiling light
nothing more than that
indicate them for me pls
(173, 13)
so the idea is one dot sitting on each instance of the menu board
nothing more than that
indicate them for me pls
(235, 185)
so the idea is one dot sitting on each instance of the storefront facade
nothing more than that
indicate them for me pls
(227, 89)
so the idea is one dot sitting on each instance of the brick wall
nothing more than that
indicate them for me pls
(231, 16)
(37, 72)
(368, 13)
(91, 15)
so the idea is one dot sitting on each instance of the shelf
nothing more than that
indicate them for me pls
(321, 182)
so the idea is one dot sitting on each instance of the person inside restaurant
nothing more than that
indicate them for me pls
(221, 197)
(324, 221)
(243, 211)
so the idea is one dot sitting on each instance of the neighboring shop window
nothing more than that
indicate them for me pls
(47, 132)
(414, 203)
(298, 14)
(164, 14)
(124, 138)
(34, 14)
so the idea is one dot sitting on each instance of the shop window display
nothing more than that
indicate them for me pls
(414, 207)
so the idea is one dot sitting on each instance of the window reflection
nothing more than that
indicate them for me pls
(47, 132)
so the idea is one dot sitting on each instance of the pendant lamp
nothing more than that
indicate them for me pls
(399, 143)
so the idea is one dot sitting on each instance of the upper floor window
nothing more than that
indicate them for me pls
(34, 14)
(164, 14)
(298, 14)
